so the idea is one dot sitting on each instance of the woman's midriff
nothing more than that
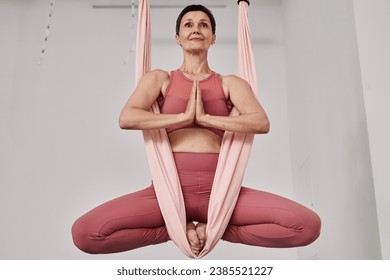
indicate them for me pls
(195, 140)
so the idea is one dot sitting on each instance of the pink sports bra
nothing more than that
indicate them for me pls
(178, 92)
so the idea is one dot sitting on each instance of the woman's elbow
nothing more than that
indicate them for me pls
(122, 123)
(263, 127)
(125, 122)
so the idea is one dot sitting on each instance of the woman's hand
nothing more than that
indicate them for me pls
(200, 113)
(195, 110)
(190, 112)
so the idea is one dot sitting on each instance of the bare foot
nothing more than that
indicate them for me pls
(201, 232)
(193, 239)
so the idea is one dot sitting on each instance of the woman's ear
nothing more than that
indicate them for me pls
(178, 40)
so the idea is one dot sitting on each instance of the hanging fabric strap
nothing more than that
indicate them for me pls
(161, 163)
(233, 156)
(235, 149)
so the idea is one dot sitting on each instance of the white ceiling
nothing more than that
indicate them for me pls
(157, 3)
(164, 14)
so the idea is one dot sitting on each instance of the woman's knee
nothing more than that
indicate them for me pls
(84, 239)
(311, 230)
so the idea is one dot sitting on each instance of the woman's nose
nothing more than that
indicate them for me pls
(196, 28)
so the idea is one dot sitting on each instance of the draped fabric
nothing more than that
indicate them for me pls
(233, 158)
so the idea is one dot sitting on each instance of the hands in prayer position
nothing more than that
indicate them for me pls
(195, 110)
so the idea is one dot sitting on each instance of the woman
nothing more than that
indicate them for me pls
(195, 103)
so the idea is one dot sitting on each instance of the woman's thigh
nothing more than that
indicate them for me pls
(135, 210)
(260, 207)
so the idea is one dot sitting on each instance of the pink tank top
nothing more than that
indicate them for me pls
(178, 93)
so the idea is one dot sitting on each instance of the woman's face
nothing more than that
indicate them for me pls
(195, 32)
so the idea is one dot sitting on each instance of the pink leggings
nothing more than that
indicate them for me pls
(134, 220)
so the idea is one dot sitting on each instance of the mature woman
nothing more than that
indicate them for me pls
(195, 103)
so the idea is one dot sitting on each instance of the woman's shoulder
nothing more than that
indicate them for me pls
(228, 80)
(161, 78)
(230, 77)
(155, 78)
(157, 74)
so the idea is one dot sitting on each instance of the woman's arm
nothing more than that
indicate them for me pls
(136, 113)
(252, 117)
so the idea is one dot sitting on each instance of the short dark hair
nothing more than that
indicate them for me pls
(192, 8)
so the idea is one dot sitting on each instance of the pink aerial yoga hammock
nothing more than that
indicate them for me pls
(233, 157)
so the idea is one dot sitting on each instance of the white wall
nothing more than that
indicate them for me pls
(328, 130)
(372, 23)
(62, 152)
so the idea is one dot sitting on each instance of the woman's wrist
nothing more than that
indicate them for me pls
(204, 120)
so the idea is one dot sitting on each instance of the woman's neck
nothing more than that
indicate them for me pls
(195, 65)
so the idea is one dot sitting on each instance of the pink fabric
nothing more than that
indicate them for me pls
(233, 157)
